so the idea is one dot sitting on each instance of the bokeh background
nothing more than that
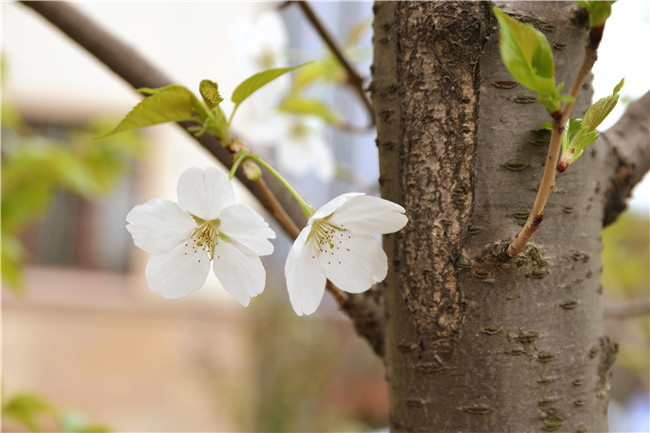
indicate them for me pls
(87, 347)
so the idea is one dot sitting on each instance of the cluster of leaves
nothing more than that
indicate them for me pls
(31, 411)
(527, 55)
(324, 70)
(176, 103)
(34, 168)
(580, 133)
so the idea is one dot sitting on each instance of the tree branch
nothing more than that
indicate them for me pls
(356, 81)
(627, 143)
(560, 118)
(138, 72)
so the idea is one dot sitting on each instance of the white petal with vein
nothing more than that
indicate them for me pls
(242, 224)
(158, 226)
(305, 278)
(179, 272)
(204, 192)
(240, 273)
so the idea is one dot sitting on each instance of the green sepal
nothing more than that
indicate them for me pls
(209, 91)
(255, 82)
(173, 103)
(528, 57)
(599, 11)
(298, 105)
(601, 108)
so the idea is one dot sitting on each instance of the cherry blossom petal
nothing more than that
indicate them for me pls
(241, 274)
(158, 226)
(204, 192)
(356, 263)
(245, 226)
(305, 278)
(368, 214)
(178, 273)
(328, 208)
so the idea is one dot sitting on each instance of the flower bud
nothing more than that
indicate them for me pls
(252, 170)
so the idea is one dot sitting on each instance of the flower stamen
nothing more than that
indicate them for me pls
(324, 234)
(206, 235)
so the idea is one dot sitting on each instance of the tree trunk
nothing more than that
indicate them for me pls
(472, 343)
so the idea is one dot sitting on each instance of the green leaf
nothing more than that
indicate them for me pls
(168, 104)
(12, 255)
(298, 105)
(619, 86)
(26, 409)
(210, 92)
(527, 55)
(328, 69)
(582, 139)
(250, 85)
(598, 10)
(601, 109)
(573, 127)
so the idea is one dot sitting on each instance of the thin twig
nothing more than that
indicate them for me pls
(355, 80)
(547, 185)
(138, 72)
(278, 211)
(281, 216)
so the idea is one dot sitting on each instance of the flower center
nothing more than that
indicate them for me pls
(206, 235)
(328, 237)
(266, 59)
(298, 130)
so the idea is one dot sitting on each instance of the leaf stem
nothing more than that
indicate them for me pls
(239, 158)
(307, 210)
(232, 114)
(547, 184)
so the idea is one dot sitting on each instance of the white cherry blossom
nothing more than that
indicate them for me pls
(261, 44)
(300, 144)
(337, 244)
(205, 226)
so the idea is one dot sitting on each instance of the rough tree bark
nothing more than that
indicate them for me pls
(472, 343)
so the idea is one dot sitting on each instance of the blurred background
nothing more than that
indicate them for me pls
(87, 347)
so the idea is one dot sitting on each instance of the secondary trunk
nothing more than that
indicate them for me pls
(472, 343)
